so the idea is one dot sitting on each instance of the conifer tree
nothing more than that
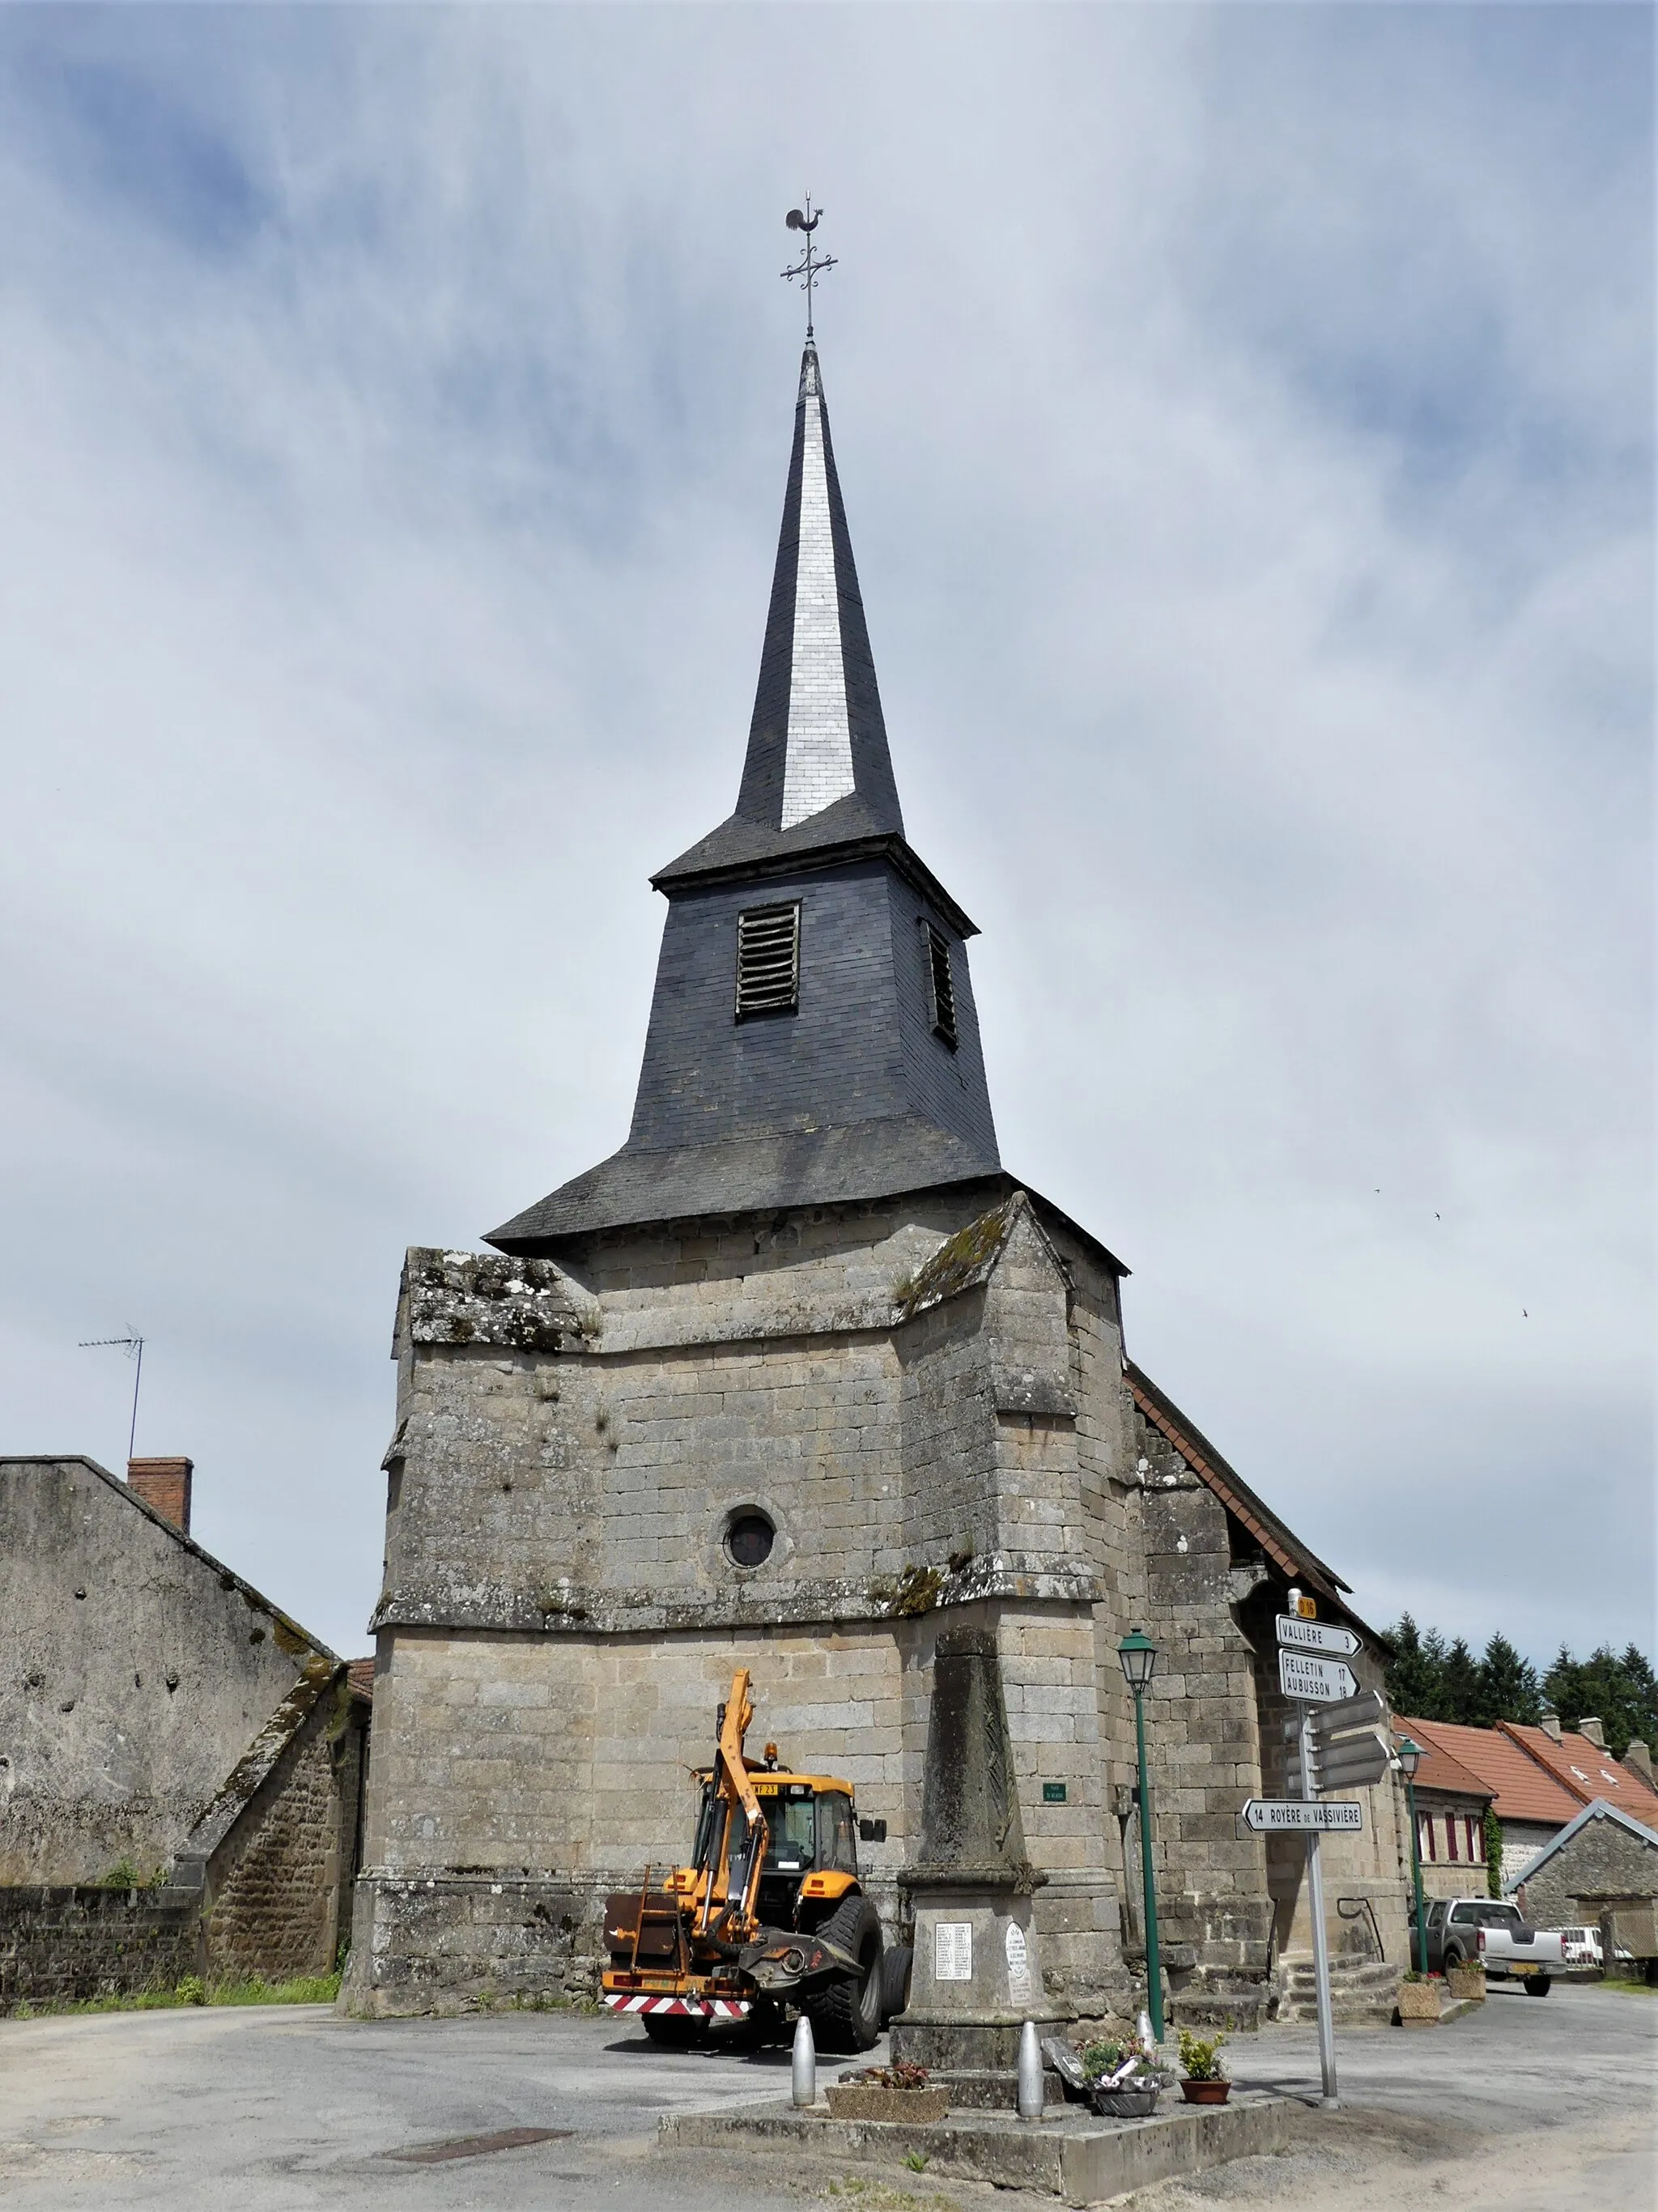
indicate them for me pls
(1508, 1688)
(1460, 1686)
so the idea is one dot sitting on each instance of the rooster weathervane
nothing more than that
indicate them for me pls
(811, 263)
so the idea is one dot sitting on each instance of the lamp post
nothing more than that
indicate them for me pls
(1410, 1757)
(1138, 1655)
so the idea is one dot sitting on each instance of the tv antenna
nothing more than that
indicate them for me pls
(133, 1345)
(812, 263)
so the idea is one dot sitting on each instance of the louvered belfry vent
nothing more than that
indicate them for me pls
(943, 988)
(768, 961)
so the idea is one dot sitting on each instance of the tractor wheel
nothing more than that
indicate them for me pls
(1537, 1985)
(847, 2016)
(895, 1980)
(674, 2031)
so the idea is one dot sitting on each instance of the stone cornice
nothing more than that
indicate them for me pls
(573, 1609)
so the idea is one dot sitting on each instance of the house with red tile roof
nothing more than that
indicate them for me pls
(1450, 1815)
(1532, 1804)
(1579, 1761)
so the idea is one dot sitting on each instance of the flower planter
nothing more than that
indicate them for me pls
(1418, 2003)
(868, 2100)
(1468, 1982)
(1124, 2104)
(1206, 2092)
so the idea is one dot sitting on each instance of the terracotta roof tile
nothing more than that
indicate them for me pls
(1439, 1769)
(360, 1674)
(1524, 1790)
(1586, 1771)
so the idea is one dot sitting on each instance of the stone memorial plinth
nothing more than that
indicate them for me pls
(977, 1975)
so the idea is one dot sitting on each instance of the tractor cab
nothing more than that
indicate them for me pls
(811, 1860)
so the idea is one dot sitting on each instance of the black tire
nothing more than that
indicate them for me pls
(847, 2015)
(895, 1980)
(1453, 1955)
(1537, 1985)
(674, 2031)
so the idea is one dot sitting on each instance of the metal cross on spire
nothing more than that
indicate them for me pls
(812, 265)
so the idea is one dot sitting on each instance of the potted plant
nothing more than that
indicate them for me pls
(1468, 1980)
(1123, 2078)
(1203, 2080)
(1418, 1999)
(888, 2093)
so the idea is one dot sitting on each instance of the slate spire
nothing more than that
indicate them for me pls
(836, 1060)
(817, 735)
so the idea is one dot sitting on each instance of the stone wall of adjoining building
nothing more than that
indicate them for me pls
(278, 1885)
(1603, 1860)
(136, 1669)
(63, 1946)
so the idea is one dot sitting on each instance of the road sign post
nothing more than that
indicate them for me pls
(1327, 2033)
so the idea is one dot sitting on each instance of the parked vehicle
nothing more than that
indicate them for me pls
(1581, 1946)
(1489, 1931)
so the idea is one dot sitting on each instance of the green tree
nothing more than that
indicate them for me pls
(1413, 1674)
(1508, 1688)
(1460, 1690)
(1620, 1690)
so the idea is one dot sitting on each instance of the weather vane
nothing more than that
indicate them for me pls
(812, 265)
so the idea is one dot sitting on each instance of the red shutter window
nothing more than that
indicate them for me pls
(1450, 1835)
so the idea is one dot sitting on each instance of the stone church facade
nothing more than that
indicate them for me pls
(798, 1378)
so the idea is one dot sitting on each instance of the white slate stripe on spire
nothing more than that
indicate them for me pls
(817, 765)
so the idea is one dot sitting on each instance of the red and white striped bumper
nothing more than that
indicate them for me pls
(687, 2007)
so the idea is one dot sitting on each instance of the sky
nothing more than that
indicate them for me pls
(1244, 419)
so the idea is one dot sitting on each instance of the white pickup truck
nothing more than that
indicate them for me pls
(1489, 1932)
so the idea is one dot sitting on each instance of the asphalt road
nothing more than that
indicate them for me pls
(1524, 2105)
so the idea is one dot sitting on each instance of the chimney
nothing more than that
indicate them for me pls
(1551, 1723)
(1591, 1728)
(1638, 1759)
(164, 1485)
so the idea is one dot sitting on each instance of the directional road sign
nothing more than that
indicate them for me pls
(1313, 1636)
(1345, 1713)
(1316, 1681)
(1352, 1762)
(1274, 1813)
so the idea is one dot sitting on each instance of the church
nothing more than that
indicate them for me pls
(797, 1379)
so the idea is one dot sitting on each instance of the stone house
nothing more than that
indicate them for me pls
(798, 1375)
(1602, 1861)
(1539, 1778)
(1451, 1802)
(167, 1736)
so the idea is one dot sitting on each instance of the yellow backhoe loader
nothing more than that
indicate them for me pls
(769, 1917)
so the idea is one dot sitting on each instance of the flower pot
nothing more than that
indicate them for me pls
(1468, 1982)
(1124, 2104)
(868, 2100)
(1418, 2003)
(1204, 2093)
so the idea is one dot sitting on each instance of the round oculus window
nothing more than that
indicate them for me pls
(749, 1538)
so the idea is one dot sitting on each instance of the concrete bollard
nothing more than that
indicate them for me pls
(803, 2069)
(1033, 2090)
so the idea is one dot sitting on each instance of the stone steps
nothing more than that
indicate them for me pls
(1361, 1991)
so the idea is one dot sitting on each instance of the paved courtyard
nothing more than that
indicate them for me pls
(1524, 2105)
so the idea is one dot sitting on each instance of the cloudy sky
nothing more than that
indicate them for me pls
(1244, 420)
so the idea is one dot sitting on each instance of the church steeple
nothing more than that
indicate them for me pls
(813, 1039)
(817, 735)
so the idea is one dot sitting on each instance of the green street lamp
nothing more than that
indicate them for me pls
(1138, 1655)
(1410, 1757)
